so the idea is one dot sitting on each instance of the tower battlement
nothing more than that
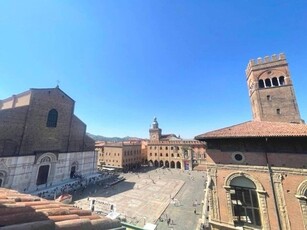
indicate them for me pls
(266, 62)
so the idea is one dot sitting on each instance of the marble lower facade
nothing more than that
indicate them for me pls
(29, 173)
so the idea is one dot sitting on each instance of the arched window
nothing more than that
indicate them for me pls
(274, 81)
(301, 195)
(261, 84)
(244, 202)
(281, 80)
(268, 82)
(52, 118)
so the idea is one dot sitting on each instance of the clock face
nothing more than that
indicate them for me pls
(153, 136)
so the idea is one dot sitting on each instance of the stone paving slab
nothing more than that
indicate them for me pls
(145, 202)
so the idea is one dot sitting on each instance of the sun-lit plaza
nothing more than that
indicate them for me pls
(150, 196)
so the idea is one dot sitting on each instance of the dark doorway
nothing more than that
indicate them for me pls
(1, 182)
(178, 165)
(72, 171)
(42, 174)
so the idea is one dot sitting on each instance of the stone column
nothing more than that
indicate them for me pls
(281, 204)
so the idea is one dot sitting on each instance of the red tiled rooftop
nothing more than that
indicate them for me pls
(24, 211)
(257, 129)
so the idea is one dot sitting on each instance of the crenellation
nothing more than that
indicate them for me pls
(266, 59)
(282, 56)
(259, 60)
(266, 62)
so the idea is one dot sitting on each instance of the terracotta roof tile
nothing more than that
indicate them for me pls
(24, 211)
(257, 129)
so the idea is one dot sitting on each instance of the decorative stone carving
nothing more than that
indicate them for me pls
(302, 198)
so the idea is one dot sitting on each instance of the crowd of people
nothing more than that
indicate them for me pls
(76, 184)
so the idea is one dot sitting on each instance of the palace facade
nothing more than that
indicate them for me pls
(257, 169)
(42, 141)
(171, 151)
(120, 155)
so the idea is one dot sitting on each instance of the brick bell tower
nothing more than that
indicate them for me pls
(271, 90)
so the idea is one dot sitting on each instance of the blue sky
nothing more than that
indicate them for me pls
(124, 62)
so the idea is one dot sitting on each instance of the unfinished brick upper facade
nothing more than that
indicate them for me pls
(23, 129)
(42, 142)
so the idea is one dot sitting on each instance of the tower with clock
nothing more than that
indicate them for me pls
(155, 131)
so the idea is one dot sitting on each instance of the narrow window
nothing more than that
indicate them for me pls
(268, 82)
(274, 81)
(261, 84)
(52, 118)
(281, 80)
(278, 111)
(268, 97)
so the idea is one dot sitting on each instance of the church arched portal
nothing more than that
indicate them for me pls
(42, 176)
(178, 164)
(72, 171)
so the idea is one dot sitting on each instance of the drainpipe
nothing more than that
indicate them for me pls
(272, 183)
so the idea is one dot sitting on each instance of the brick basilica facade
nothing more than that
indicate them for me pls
(42, 142)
